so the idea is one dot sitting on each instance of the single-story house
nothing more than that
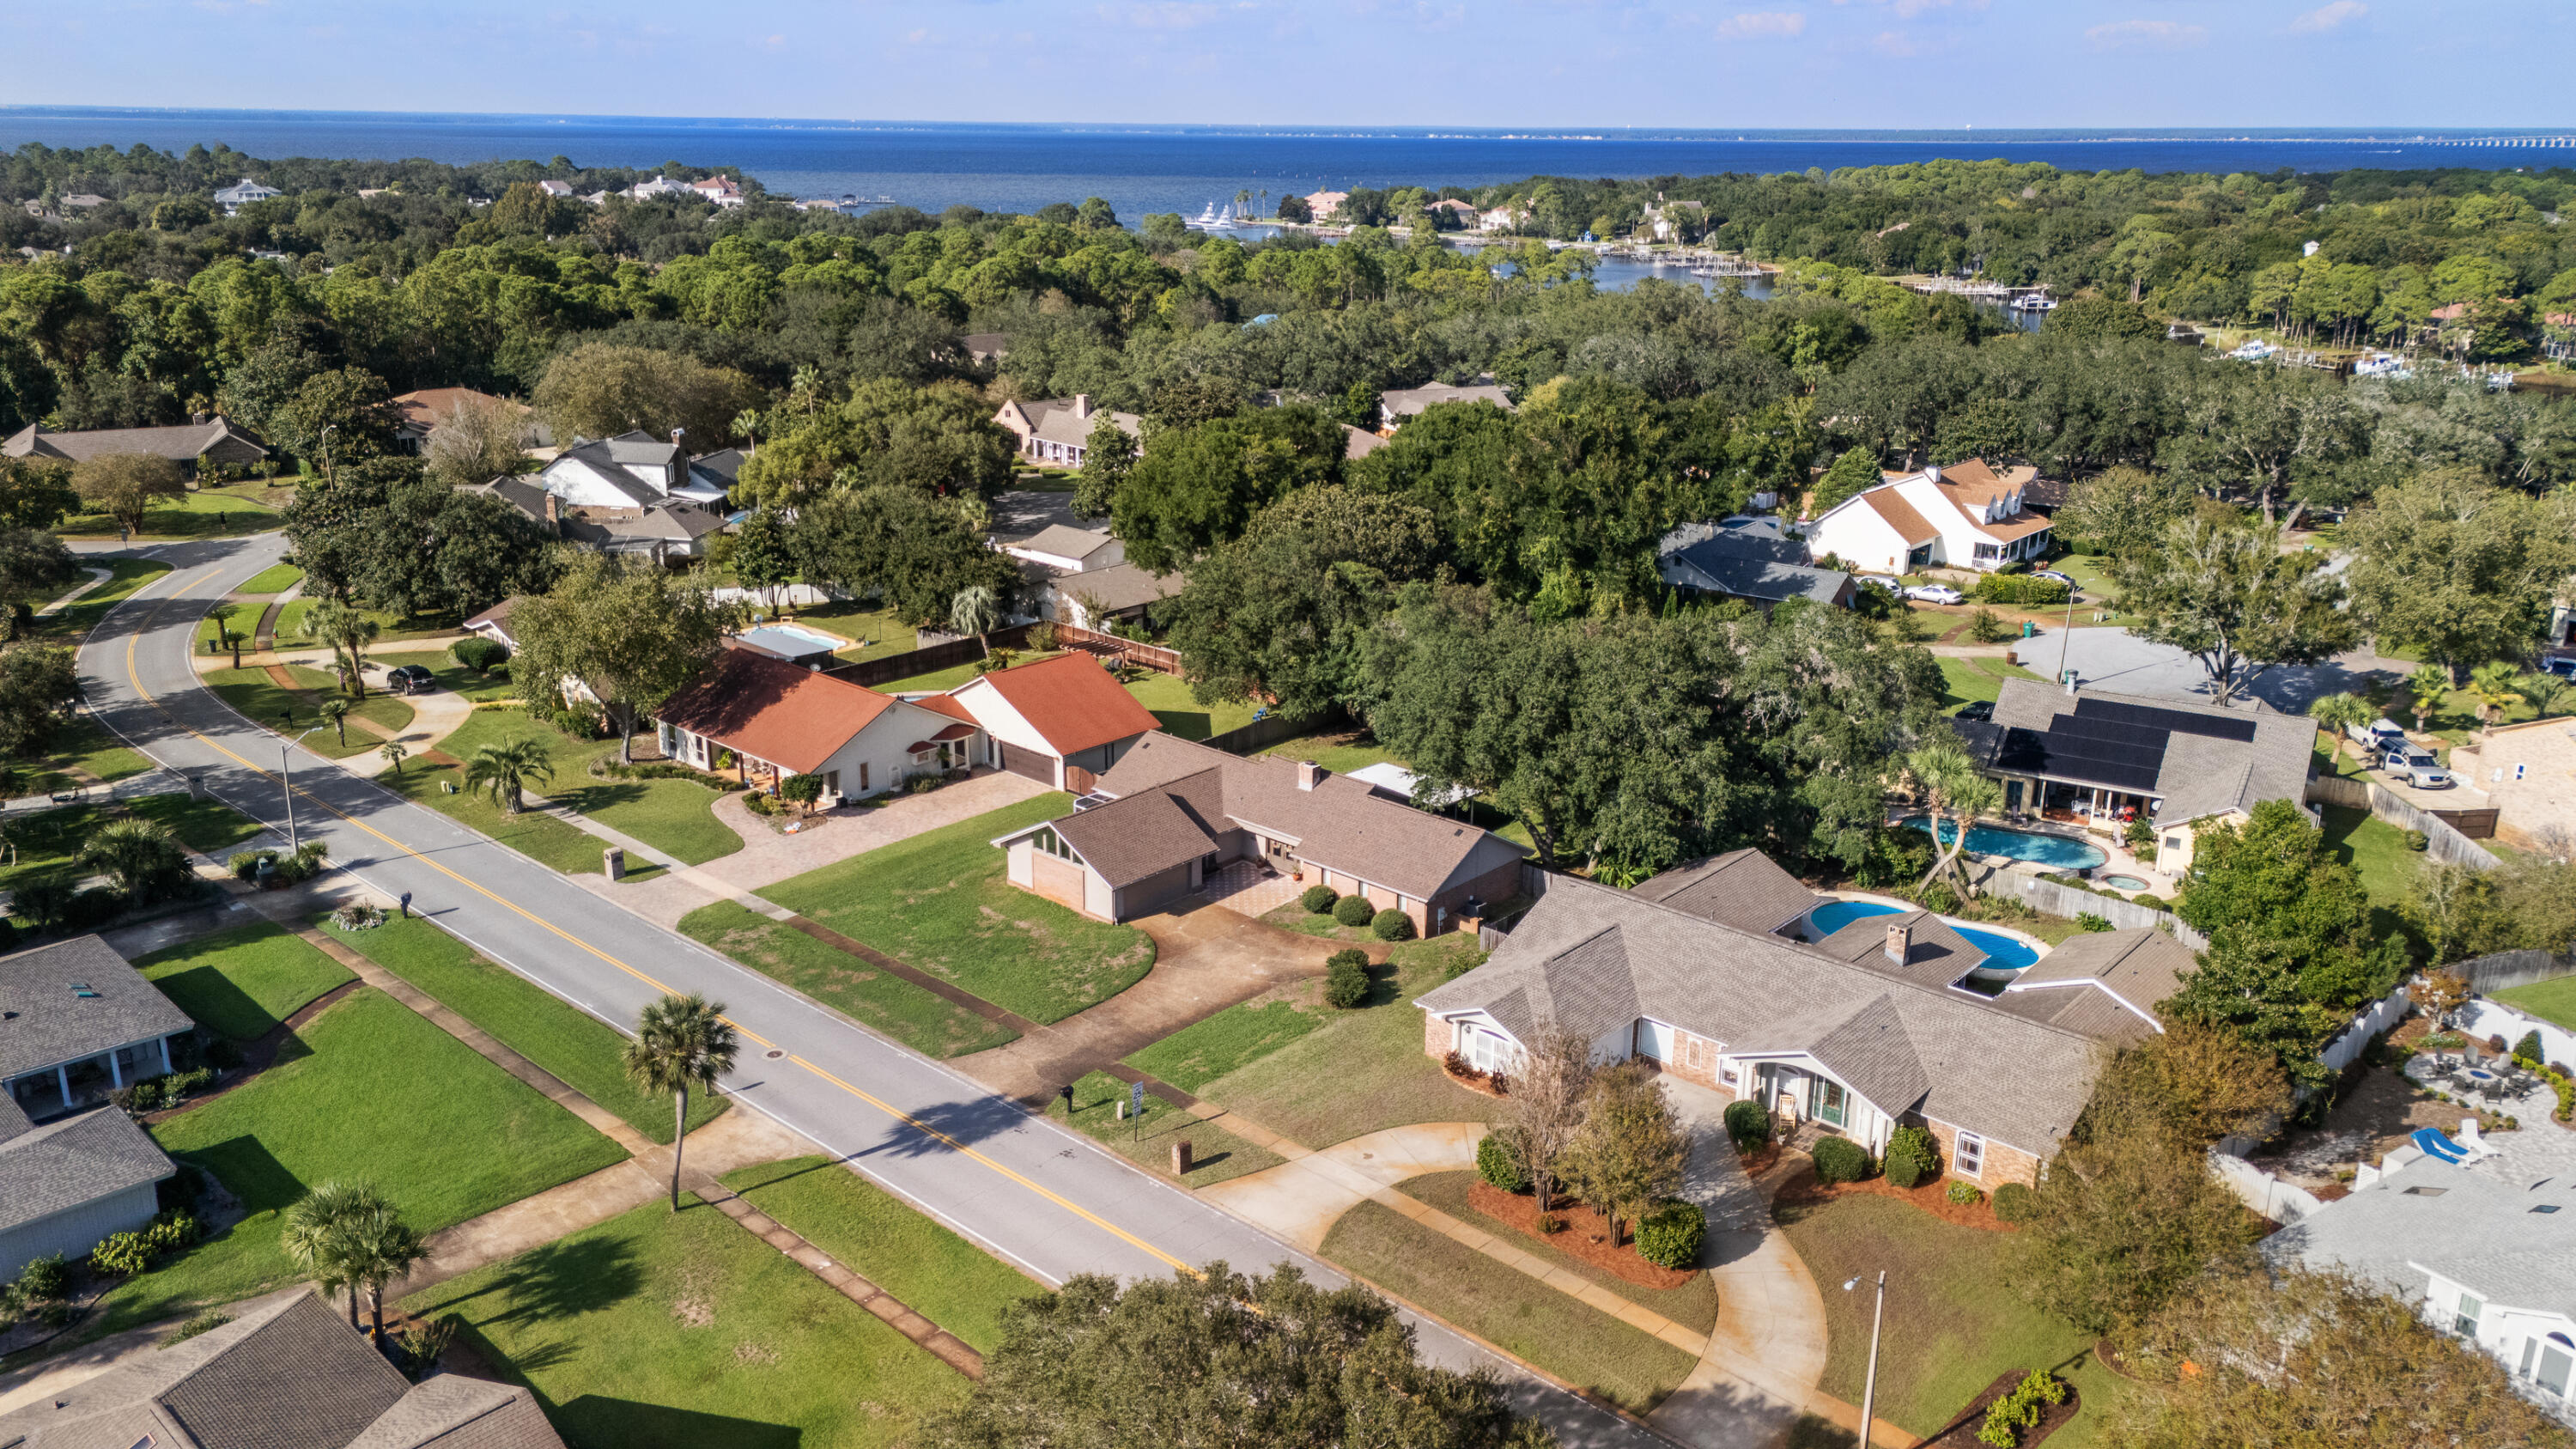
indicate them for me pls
(1754, 561)
(1095, 598)
(75, 1022)
(767, 719)
(1063, 549)
(68, 1184)
(2100, 759)
(1061, 721)
(1058, 430)
(2485, 1251)
(2105, 984)
(986, 347)
(1397, 404)
(215, 440)
(1964, 516)
(494, 623)
(287, 1373)
(424, 410)
(1701, 972)
(1171, 811)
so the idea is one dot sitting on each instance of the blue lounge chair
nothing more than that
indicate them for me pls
(2437, 1145)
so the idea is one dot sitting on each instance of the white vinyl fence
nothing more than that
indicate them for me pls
(2277, 1201)
(2482, 1019)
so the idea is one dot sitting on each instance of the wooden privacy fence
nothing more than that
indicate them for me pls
(1262, 733)
(2066, 903)
(947, 654)
(2452, 836)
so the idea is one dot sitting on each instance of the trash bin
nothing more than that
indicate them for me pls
(2026, 629)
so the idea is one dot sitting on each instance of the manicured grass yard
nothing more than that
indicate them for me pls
(1204, 1051)
(1962, 685)
(677, 816)
(245, 981)
(939, 902)
(1953, 1319)
(526, 1018)
(889, 1004)
(266, 704)
(274, 579)
(1340, 753)
(1360, 1070)
(551, 842)
(661, 1331)
(1168, 696)
(376, 1093)
(127, 577)
(1570, 1339)
(84, 744)
(2548, 1000)
(875, 633)
(208, 513)
(1693, 1305)
(938, 1274)
(209, 827)
(2375, 848)
(1216, 1154)
(46, 840)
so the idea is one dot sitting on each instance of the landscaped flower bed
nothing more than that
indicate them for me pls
(1586, 1235)
(1932, 1197)
(1963, 1432)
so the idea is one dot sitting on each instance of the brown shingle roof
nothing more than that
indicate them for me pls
(1070, 701)
(2139, 966)
(1900, 515)
(1742, 888)
(772, 710)
(1142, 835)
(180, 443)
(302, 1380)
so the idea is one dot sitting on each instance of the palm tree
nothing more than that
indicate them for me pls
(746, 424)
(394, 753)
(320, 1231)
(137, 856)
(348, 632)
(2493, 684)
(377, 1248)
(680, 1042)
(1959, 793)
(503, 770)
(335, 713)
(978, 611)
(2547, 692)
(2426, 688)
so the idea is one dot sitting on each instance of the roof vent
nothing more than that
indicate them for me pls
(2546, 1207)
(2420, 1191)
(83, 990)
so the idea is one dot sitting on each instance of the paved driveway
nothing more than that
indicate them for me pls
(1247, 888)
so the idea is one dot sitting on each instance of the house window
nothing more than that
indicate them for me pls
(2173, 842)
(2465, 1321)
(1968, 1155)
(1052, 843)
(1726, 1073)
(1829, 1106)
(2556, 1356)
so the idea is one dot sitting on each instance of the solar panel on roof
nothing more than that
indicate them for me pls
(2173, 721)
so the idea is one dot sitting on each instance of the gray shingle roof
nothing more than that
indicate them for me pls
(453, 1412)
(2198, 774)
(1935, 955)
(1990, 1071)
(1066, 541)
(1119, 586)
(1742, 888)
(1716, 566)
(2477, 1230)
(1128, 840)
(1404, 402)
(2140, 966)
(70, 1162)
(44, 1022)
(180, 443)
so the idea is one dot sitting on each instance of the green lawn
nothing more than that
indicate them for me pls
(1693, 1305)
(939, 902)
(876, 632)
(208, 826)
(676, 816)
(1206, 1050)
(80, 743)
(265, 703)
(208, 513)
(1322, 924)
(2553, 1000)
(944, 679)
(274, 579)
(656, 1330)
(889, 1004)
(1568, 1338)
(551, 842)
(1340, 753)
(374, 1092)
(127, 577)
(243, 982)
(290, 625)
(2377, 850)
(1962, 684)
(526, 1018)
(1168, 696)
(45, 841)
(1146, 1139)
(1953, 1321)
(937, 1274)
(1361, 1070)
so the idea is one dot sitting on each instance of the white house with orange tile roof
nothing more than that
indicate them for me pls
(1965, 515)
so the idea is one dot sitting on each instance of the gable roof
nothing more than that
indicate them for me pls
(1341, 823)
(452, 1411)
(1071, 701)
(1063, 540)
(1054, 420)
(70, 1162)
(182, 442)
(1742, 888)
(1745, 569)
(1990, 1071)
(2137, 969)
(772, 710)
(1898, 514)
(2198, 758)
(1935, 954)
(1119, 586)
(2476, 1228)
(49, 1023)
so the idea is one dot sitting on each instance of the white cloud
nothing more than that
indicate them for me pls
(2328, 17)
(2146, 35)
(1762, 25)
(1896, 43)
(1908, 9)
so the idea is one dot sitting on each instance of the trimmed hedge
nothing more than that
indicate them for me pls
(2018, 589)
(1965, 1194)
(2014, 1203)
(1670, 1236)
(1912, 1157)
(1499, 1163)
(1391, 925)
(1353, 910)
(1346, 982)
(1839, 1159)
(1747, 1124)
(1318, 899)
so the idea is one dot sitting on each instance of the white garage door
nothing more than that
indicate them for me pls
(1654, 1041)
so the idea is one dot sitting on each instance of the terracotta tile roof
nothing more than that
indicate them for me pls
(1900, 515)
(1072, 702)
(774, 711)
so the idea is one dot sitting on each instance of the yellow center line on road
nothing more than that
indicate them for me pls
(134, 675)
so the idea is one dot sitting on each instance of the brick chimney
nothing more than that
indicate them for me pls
(1308, 772)
(554, 513)
(1900, 942)
(1082, 405)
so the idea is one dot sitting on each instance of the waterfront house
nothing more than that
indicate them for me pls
(1058, 430)
(1965, 515)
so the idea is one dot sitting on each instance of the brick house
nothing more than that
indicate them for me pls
(1709, 973)
(1172, 811)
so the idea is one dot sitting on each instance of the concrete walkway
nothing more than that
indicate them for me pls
(96, 578)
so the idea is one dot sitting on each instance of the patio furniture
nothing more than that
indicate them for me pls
(2436, 1145)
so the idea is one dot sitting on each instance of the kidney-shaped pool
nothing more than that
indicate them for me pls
(2058, 852)
(2003, 953)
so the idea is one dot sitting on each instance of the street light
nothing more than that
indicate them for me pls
(1869, 1385)
(286, 782)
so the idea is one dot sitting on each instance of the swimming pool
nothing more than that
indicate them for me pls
(791, 641)
(2003, 953)
(2128, 883)
(2055, 851)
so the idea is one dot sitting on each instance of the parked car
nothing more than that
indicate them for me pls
(2425, 775)
(2054, 576)
(1935, 594)
(1889, 582)
(2377, 735)
(1977, 709)
(2564, 666)
(410, 679)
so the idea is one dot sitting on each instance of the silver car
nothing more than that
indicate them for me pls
(2425, 775)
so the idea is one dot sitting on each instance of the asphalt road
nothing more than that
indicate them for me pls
(1029, 1191)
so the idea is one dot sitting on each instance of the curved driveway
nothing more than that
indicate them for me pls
(1033, 1193)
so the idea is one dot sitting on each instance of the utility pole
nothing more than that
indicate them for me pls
(1869, 1385)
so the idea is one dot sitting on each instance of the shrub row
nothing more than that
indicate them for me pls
(154, 1093)
(2018, 1412)
(122, 1255)
(612, 770)
(2018, 589)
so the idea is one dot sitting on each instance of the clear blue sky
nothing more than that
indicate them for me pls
(1863, 63)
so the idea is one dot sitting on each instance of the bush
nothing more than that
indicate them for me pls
(245, 863)
(358, 916)
(2088, 921)
(1391, 925)
(1669, 1237)
(2528, 1049)
(1913, 1157)
(44, 1279)
(2016, 588)
(2018, 1412)
(1747, 1125)
(1499, 1163)
(120, 1255)
(1319, 899)
(479, 654)
(1353, 910)
(1988, 627)
(758, 804)
(2417, 840)
(1839, 1159)
(1939, 899)
(1965, 1194)
(2014, 1203)
(1042, 638)
(204, 1322)
(1346, 982)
